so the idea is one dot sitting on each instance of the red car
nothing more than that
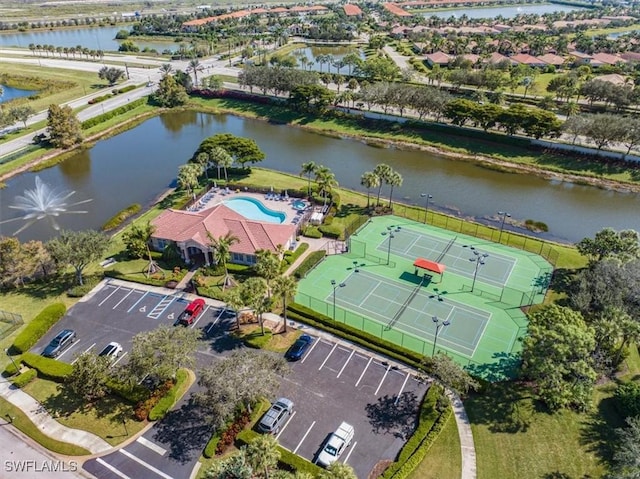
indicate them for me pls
(191, 312)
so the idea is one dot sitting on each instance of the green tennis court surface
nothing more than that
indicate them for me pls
(377, 289)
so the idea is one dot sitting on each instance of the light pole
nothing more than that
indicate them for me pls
(335, 286)
(479, 259)
(426, 206)
(439, 325)
(390, 231)
(504, 215)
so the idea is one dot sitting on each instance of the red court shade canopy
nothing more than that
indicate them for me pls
(429, 265)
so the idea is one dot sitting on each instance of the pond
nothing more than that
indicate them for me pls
(94, 38)
(10, 93)
(138, 165)
(510, 11)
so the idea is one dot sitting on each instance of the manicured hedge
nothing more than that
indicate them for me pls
(112, 273)
(300, 313)
(121, 216)
(309, 263)
(312, 232)
(48, 368)
(134, 394)
(290, 257)
(288, 460)
(96, 120)
(99, 99)
(12, 368)
(330, 231)
(25, 378)
(38, 327)
(167, 402)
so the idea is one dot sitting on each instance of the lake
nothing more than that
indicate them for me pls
(10, 93)
(138, 165)
(510, 11)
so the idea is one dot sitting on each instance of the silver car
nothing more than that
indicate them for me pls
(276, 416)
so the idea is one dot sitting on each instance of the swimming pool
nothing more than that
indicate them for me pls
(254, 210)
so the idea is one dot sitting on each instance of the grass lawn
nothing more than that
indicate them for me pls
(443, 459)
(109, 418)
(22, 422)
(516, 437)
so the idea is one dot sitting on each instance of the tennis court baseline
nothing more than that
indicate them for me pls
(381, 299)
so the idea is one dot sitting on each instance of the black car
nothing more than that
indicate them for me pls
(58, 344)
(297, 349)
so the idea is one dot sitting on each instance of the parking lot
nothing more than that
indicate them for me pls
(332, 383)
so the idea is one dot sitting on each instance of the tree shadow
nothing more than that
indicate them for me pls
(562, 281)
(224, 341)
(185, 432)
(598, 430)
(503, 407)
(394, 415)
(506, 367)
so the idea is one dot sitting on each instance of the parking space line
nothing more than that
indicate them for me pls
(328, 356)
(118, 360)
(126, 296)
(151, 445)
(200, 316)
(112, 469)
(382, 380)
(66, 351)
(147, 465)
(215, 321)
(401, 389)
(349, 455)
(295, 451)
(315, 343)
(88, 349)
(105, 299)
(285, 425)
(365, 370)
(347, 362)
(136, 303)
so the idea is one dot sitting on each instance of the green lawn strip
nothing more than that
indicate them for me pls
(515, 436)
(24, 424)
(443, 458)
(279, 343)
(108, 418)
(184, 379)
(607, 31)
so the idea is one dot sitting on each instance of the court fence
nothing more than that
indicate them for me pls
(9, 322)
(358, 249)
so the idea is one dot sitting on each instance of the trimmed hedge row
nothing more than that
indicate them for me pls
(48, 368)
(117, 91)
(133, 394)
(427, 417)
(38, 327)
(121, 216)
(330, 231)
(300, 313)
(99, 99)
(96, 120)
(290, 257)
(309, 263)
(25, 378)
(288, 460)
(161, 409)
(137, 279)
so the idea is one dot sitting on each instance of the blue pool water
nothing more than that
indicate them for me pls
(254, 210)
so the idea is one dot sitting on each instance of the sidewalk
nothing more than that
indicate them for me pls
(49, 426)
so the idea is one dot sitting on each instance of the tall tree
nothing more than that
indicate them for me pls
(136, 239)
(222, 251)
(394, 180)
(286, 287)
(170, 93)
(607, 242)
(194, 67)
(235, 301)
(556, 354)
(626, 459)
(63, 127)
(267, 266)
(308, 169)
(188, 177)
(369, 180)
(89, 377)
(263, 454)
(326, 180)
(253, 292)
(78, 249)
(21, 113)
(382, 171)
(449, 373)
(243, 150)
(111, 74)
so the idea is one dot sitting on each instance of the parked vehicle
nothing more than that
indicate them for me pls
(58, 344)
(276, 416)
(111, 350)
(191, 312)
(297, 349)
(335, 445)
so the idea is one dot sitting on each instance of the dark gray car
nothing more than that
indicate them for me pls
(58, 344)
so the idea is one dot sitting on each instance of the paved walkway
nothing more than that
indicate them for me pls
(49, 426)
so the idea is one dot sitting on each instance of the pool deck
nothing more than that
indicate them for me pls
(215, 196)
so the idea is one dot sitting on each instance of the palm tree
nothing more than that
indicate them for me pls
(234, 301)
(338, 470)
(203, 160)
(308, 169)
(222, 251)
(188, 176)
(267, 267)
(382, 171)
(286, 287)
(218, 156)
(166, 69)
(326, 180)
(195, 66)
(263, 454)
(253, 294)
(394, 179)
(369, 180)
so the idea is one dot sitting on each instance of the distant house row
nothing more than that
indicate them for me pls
(279, 11)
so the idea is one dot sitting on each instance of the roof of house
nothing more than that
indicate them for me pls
(526, 59)
(496, 58)
(552, 59)
(179, 225)
(396, 10)
(352, 10)
(438, 57)
(608, 58)
(614, 78)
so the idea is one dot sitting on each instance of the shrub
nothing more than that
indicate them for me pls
(134, 394)
(166, 403)
(48, 368)
(79, 291)
(24, 378)
(96, 120)
(239, 268)
(143, 408)
(12, 368)
(309, 263)
(290, 257)
(330, 231)
(38, 327)
(627, 399)
(312, 232)
(121, 217)
(99, 99)
(537, 226)
(228, 436)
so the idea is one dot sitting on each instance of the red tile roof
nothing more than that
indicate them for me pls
(180, 226)
(526, 59)
(352, 10)
(396, 10)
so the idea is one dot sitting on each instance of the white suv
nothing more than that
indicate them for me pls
(276, 416)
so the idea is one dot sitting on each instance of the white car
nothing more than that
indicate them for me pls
(111, 350)
(336, 444)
